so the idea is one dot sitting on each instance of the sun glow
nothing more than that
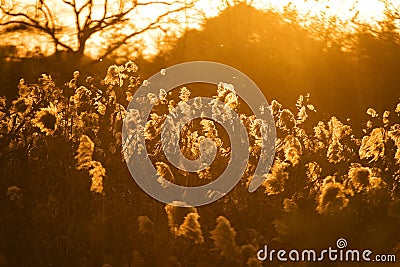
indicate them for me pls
(369, 10)
(175, 24)
(365, 11)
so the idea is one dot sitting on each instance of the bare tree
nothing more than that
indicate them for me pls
(89, 17)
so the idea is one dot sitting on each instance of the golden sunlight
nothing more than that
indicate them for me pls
(367, 11)
(176, 23)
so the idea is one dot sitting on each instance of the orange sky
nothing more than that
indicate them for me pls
(369, 10)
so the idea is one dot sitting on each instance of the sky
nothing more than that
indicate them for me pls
(368, 10)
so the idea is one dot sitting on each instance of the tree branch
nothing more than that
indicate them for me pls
(85, 27)
(392, 11)
(152, 25)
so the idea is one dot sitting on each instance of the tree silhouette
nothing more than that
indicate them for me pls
(87, 19)
(286, 57)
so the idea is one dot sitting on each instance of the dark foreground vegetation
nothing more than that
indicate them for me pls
(67, 198)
